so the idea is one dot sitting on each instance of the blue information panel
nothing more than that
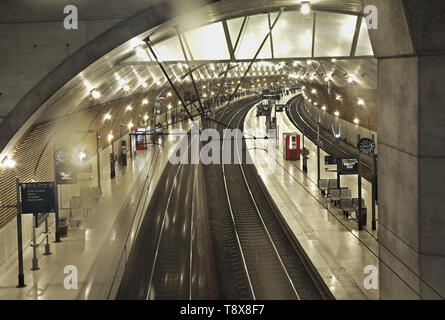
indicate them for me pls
(330, 160)
(38, 197)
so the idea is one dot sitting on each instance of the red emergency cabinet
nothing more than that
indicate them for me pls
(291, 146)
(141, 139)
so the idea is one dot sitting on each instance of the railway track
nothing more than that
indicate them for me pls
(296, 117)
(263, 261)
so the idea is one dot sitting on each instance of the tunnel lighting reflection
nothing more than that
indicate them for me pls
(305, 9)
(8, 162)
(82, 155)
(309, 62)
(126, 87)
(333, 60)
(95, 94)
(110, 137)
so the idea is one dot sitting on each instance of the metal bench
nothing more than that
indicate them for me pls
(332, 185)
(335, 195)
(347, 206)
(324, 184)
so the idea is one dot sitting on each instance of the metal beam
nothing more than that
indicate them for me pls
(252, 61)
(147, 41)
(190, 71)
(271, 38)
(314, 19)
(228, 40)
(356, 35)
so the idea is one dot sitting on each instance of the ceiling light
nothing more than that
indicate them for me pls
(323, 108)
(360, 102)
(107, 116)
(95, 94)
(110, 136)
(129, 108)
(145, 101)
(8, 162)
(356, 121)
(305, 9)
(337, 113)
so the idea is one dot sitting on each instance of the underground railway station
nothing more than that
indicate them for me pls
(222, 150)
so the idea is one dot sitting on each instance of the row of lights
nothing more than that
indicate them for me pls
(324, 108)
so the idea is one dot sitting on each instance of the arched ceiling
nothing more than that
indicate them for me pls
(129, 70)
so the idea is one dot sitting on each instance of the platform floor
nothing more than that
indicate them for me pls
(337, 249)
(95, 248)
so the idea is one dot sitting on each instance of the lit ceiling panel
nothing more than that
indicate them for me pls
(208, 42)
(256, 30)
(292, 35)
(364, 47)
(334, 34)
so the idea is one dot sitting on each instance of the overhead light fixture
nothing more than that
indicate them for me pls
(356, 121)
(107, 116)
(314, 91)
(145, 101)
(129, 108)
(82, 155)
(110, 136)
(95, 94)
(8, 162)
(337, 113)
(360, 102)
(130, 125)
(145, 117)
(126, 87)
(333, 60)
(305, 8)
(323, 108)
(309, 62)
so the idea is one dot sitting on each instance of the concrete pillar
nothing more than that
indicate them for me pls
(410, 47)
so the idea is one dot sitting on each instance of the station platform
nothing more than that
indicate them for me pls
(100, 247)
(337, 249)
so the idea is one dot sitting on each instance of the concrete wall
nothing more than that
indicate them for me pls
(410, 46)
(349, 131)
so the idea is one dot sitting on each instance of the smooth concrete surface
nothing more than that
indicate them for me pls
(349, 130)
(411, 154)
(105, 236)
(337, 249)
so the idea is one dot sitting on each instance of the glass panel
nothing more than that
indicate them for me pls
(364, 47)
(256, 30)
(292, 35)
(208, 42)
(169, 50)
(234, 27)
(334, 33)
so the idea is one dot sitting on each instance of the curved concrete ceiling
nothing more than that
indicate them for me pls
(97, 65)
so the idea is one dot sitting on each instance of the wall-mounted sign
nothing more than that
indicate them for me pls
(330, 160)
(366, 146)
(348, 166)
(187, 96)
(64, 171)
(38, 197)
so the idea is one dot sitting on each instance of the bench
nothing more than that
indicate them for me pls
(323, 185)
